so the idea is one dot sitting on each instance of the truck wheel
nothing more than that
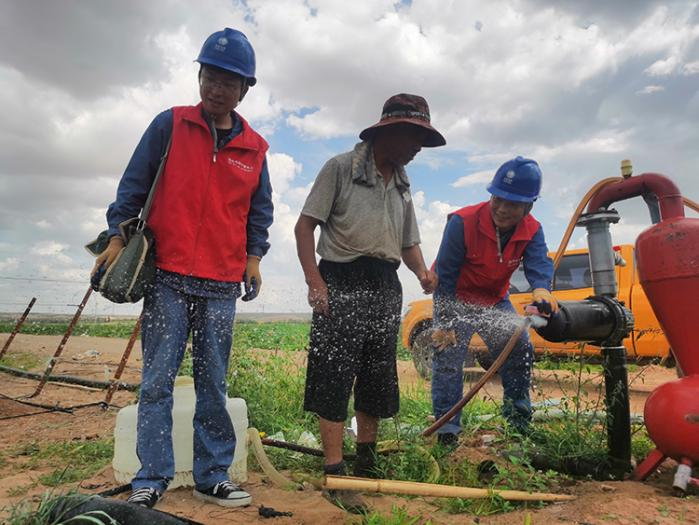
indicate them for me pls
(484, 359)
(421, 350)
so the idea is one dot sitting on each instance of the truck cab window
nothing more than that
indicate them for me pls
(518, 281)
(573, 273)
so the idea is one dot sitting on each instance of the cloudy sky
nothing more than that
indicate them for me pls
(579, 86)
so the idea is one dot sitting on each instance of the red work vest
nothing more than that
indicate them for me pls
(483, 279)
(200, 209)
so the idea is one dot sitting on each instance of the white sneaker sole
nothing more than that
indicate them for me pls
(242, 501)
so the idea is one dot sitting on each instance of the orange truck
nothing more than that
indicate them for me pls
(571, 282)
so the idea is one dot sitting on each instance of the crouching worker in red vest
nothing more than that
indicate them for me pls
(481, 247)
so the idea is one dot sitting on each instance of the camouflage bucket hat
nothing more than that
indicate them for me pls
(412, 109)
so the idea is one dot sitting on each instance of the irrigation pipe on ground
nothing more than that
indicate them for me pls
(70, 380)
(272, 473)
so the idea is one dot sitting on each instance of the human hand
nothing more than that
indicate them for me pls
(544, 301)
(252, 278)
(318, 297)
(106, 258)
(428, 281)
(443, 338)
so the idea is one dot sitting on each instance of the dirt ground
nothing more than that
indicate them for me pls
(626, 503)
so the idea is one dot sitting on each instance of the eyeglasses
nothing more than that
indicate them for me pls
(227, 86)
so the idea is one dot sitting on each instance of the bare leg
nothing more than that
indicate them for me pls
(331, 433)
(367, 427)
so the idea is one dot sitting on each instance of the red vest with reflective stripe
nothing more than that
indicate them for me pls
(483, 279)
(200, 209)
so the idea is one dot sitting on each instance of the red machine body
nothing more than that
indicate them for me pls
(672, 418)
(667, 256)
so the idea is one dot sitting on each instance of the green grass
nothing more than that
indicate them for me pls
(78, 460)
(398, 516)
(273, 390)
(21, 360)
(292, 335)
(51, 509)
(20, 490)
(271, 336)
(109, 329)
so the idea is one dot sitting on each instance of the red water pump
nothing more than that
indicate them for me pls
(667, 257)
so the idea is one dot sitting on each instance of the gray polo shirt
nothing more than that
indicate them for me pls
(359, 214)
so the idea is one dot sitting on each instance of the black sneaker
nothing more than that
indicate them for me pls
(347, 500)
(448, 440)
(224, 493)
(145, 497)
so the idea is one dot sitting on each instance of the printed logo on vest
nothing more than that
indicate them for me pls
(238, 164)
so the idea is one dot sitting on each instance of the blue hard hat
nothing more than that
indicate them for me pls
(230, 50)
(519, 179)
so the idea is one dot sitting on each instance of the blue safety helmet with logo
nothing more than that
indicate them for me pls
(519, 179)
(230, 50)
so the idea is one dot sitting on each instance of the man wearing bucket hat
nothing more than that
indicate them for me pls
(481, 247)
(210, 218)
(361, 201)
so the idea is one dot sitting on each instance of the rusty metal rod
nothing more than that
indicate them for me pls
(300, 448)
(62, 344)
(526, 322)
(114, 382)
(17, 327)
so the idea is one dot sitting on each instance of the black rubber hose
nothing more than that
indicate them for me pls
(70, 380)
(69, 507)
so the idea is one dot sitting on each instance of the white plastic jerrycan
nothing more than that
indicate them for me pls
(126, 463)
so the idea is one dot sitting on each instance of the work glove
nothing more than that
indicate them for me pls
(104, 260)
(441, 339)
(544, 301)
(252, 279)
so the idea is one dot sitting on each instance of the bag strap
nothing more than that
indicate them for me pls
(149, 200)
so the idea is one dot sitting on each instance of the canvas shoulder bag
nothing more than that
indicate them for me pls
(133, 269)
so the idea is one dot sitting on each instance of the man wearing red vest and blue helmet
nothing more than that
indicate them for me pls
(481, 247)
(210, 217)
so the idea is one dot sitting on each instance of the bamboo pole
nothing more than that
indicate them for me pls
(434, 490)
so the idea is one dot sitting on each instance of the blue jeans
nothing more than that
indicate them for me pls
(169, 315)
(495, 326)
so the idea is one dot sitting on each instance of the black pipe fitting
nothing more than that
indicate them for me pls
(597, 320)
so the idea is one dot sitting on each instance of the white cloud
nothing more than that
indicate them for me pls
(553, 81)
(51, 250)
(282, 171)
(662, 67)
(479, 178)
(691, 68)
(9, 264)
(650, 89)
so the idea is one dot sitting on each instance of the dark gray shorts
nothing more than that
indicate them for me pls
(355, 346)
